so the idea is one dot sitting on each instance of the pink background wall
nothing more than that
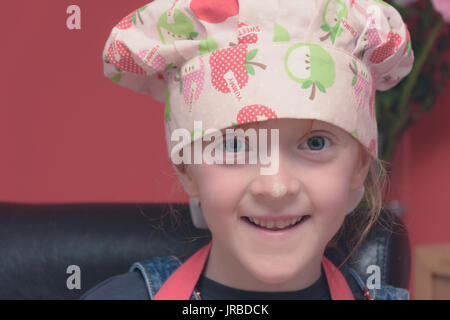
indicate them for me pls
(421, 177)
(68, 134)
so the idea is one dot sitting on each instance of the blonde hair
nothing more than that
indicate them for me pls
(372, 210)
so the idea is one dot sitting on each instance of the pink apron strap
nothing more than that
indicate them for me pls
(339, 288)
(181, 283)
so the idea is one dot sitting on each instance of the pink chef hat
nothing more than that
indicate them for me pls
(230, 62)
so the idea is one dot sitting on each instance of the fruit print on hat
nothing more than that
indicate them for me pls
(311, 66)
(120, 56)
(213, 11)
(253, 113)
(370, 39)
(207, 45)
(192, 79)
(248, 34)
(388, 48)
(334, 12)
(230, 68)
(280, 34)
(153, 59)
(131, 19)
(360, 82)
(174, 25)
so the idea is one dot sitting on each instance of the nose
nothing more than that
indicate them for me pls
(275, 186)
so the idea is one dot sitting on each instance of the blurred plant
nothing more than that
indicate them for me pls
(403, 105)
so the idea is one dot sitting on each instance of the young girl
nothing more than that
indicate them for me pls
(301, 76)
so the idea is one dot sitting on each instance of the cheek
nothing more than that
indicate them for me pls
(220, 192)
(329, 196)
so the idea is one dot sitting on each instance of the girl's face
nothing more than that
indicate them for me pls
(318, 170)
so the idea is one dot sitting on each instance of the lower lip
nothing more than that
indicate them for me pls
(276, 233)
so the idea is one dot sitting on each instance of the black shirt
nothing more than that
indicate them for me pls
(212, 290)
(131, 286)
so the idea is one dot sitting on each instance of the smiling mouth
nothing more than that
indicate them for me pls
(275, 228)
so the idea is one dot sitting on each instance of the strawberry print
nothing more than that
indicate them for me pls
(230, 68)
(373, 37)
(386, 49)
(131, 19)
(370, 39)
(247, 34)
(361, 82)
(153, 59)
(120, 56)
(192, 80)
(253, 113)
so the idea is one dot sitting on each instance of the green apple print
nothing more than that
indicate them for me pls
(182, 27)
(310, 65)
(280, 34)
(355, 133)
(167, 108)
(208, 45)
(334, 12)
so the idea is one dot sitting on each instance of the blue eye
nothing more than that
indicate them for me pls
(233, 145)
(316, 143)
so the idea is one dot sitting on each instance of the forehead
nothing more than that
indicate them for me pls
(287, 124)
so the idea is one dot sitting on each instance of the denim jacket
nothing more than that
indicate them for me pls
(157, 270)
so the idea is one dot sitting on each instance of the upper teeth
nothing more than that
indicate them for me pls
(279, 224)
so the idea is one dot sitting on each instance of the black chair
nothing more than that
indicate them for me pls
(38, 242)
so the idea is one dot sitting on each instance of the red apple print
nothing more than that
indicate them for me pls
(214, 11)
(386, 49)
(254, 112)
(247, 34)
(231, 66)
(120, 56)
